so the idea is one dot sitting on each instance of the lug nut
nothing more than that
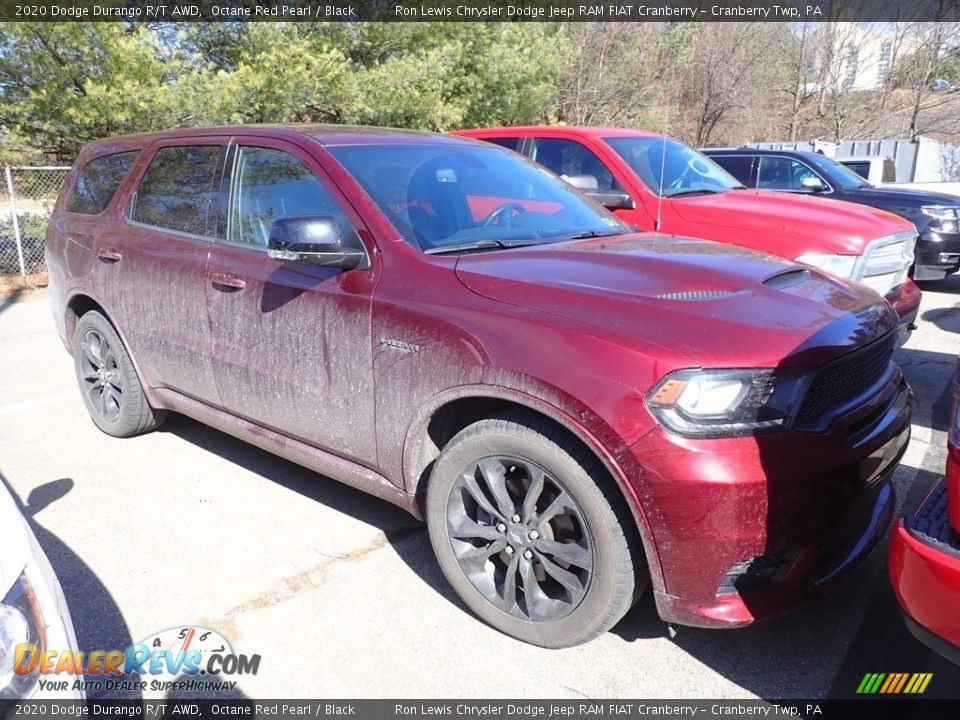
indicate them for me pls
(501, 527)
(534, 534)
(508, 550)
(528, 554)
(516, 518)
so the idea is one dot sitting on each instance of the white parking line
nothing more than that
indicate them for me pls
(27, 405)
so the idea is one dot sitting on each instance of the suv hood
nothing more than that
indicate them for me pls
(904, 198)
(695, 302)
(832, 225)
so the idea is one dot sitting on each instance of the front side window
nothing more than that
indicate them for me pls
(568, 158)
(270, 184)
(98, 183)
(779, 173)
(441, 196)
(179, 188)
(669, 167)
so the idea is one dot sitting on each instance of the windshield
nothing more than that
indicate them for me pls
(683, 169)
(837, 173)
(463, 197)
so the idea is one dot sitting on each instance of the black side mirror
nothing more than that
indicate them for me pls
(312, 240)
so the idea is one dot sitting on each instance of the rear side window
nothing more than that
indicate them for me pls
(98, 183)
(510, 143)
(740, 166)
(179, 188)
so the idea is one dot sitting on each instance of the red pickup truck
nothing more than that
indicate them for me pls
(622, 169)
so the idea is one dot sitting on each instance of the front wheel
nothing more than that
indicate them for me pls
(531, 532)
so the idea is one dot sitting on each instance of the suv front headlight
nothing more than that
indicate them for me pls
(840, 265)
(945, 217)
(20, 623)
(725, 403)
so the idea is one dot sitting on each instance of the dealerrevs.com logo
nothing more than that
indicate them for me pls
(185, 658)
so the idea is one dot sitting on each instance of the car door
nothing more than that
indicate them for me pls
(291, 342)
(571, 158)
(151, 265)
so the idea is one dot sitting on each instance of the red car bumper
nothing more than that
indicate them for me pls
(924, 565)
(749, 527)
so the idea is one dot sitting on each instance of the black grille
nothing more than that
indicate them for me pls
(843, 379)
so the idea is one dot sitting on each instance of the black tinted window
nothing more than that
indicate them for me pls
(510, 143)
(178, 188)
(271, 184)
(737, 165)
(98, 182)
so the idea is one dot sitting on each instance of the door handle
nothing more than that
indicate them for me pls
(227, 281)
(109, 255)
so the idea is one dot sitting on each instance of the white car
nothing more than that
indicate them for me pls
(33, 609)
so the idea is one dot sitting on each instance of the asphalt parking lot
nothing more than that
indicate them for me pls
(339, 592)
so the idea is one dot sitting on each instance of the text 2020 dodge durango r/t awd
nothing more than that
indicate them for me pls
(576, 409)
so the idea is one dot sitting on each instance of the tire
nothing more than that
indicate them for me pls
(576, 562)
(108, 381)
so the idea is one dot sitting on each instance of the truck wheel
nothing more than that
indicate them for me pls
(108, 382)
(531, 532)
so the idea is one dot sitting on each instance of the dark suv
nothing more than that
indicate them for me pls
(936, 215)
(576, 409)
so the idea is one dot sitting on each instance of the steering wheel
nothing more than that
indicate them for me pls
(502, 210)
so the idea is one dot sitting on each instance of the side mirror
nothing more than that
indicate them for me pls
(588, 185)
(812, 182)
(613, 200)
(312, 240)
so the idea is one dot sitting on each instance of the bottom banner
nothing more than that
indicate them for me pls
(853, 709)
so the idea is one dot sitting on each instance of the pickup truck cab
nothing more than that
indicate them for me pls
(576, 409)
(622, 169)
(936, 215)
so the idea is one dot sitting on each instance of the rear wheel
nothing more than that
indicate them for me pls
(108, 381)
(531, 532)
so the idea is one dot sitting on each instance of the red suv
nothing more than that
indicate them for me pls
(576, 409)
(924, 559)
(622, 169)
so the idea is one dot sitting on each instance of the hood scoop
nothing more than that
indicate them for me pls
(787, 278)
(698, 295)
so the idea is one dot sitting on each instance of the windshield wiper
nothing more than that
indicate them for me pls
(485, 244)
(587, 234)
(694, 191)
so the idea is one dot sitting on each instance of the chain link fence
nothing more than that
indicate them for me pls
(27, 196)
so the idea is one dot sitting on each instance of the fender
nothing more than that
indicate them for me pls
(569, 422)
(148, 389)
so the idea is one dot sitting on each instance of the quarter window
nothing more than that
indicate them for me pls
(179, 188)
(98, 183)
(270, 184)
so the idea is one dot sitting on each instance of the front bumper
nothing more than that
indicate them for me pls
(924, 567)
(936, 255)
(749, 527)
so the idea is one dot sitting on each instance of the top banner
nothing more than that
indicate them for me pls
(171, 11)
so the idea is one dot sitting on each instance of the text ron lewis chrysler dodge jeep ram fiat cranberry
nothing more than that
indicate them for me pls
(577, 410)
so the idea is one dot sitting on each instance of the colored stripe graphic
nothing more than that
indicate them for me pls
(894, 683)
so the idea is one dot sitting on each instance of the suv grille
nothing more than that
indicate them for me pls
(884, 265)
(846, 377)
